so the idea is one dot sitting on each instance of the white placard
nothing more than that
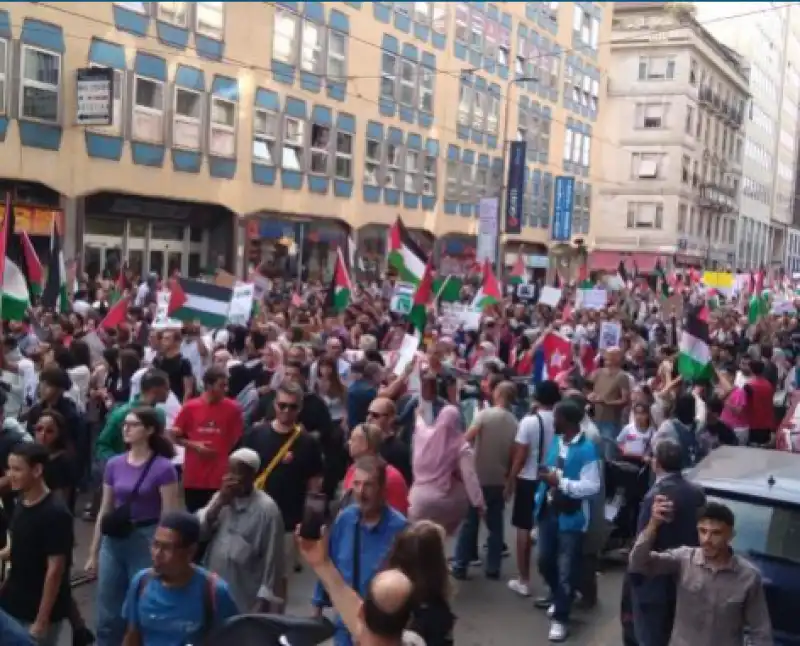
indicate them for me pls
(591, 299)
(487, 230)
(402, 298)
(782, 307)
(455, 315)
(550, 296)
(610, 334)
(161, 320)
(408, 349)
(95, 96)
(241, 304)
(525, 292)
(615, 283)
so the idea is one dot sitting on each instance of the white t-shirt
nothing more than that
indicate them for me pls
(528, 434)
(191, 353)
(634, 442)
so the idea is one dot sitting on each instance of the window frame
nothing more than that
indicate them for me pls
(452, 191)
(429, 174)
(425, 73)
(286, 143)
(465, 95)
(265, 137)
(633, 213)
(335, 56)
(394, 167)
(223, 127)
(319, 48)
(186, 119)
(478, 110)
(338, 154)
(170, 18)
(136, 7)
(117, 102)
(315, 150)
(412, 171)
(25, 82)
(375, 161)
(493, 114)
(144, 109)
(412, 83)
(389, 76)
(281, 14)
(215, 33)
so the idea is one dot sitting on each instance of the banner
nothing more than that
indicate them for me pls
(516, 187)
(487, 230)
(563, 205)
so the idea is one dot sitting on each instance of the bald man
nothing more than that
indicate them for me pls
(383, 413)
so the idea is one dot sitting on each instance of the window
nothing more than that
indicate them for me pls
(645, 165)
(422, 12)
(372, 162)
(211, 19)
(481, 182)
(4, 75)
(188, 118)
(407, 82)
(452, 191)
(393, 157)
(468, 191)
(388, 75)
(320, 148)
(595, 98)
(586, 152)
(427, 78)
(682, 212)
(312, 47)
(429, 176)
(651, 115)
(577, 142)
(692, 72)
(493, 115)
(344, 156)
(656, 68)
(284, 36)
(265, 134)
(568, 135)
(462, 22)
(148, 110)
(410, 178)
(465, 105)
(175, 13)
(222, 139)
(644, 215)
(439, 17)
(337, 55)
(479, 102)
(685, 163)
(41, 82)
(293, 144)
(689, 115)
(137, 7)
(119, 93)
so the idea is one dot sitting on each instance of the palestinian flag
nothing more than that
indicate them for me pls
(584, 280)
(339, 291)
(33, 266)
(518, 274)
(193, 300)
(713, 299)
(694, 356)
(659, 283)
(419, 308)
(405, 256)
(119, 287)
(489, 294)
(56, 295)
(356, 261)
(758, 307)
(116, 315)
(16, 297)
(447, 289)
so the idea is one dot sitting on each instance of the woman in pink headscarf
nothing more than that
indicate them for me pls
(445, 482)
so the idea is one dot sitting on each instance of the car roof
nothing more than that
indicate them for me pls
(746, 471)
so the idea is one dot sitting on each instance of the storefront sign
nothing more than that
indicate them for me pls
(516, 186)
(562, 209)
(487, 230)
(37, 220)
(95, 96)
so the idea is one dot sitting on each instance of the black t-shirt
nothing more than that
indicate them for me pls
(288, 482)
(37, 533)
(59, 473)
(398, 454)
(434, 622)
(177, 368)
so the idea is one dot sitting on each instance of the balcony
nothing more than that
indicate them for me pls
(718, 197)
(737, 117)
(705, 96)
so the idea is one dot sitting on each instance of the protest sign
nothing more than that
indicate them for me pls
(525, 292)
(224, 279)
(591, 299)
(550, 296)
(455, 315)
(241, 304)
(610, 333)
(406, 354)
(161, 321)
(402, 299)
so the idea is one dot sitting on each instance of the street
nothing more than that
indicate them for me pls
(488, 613)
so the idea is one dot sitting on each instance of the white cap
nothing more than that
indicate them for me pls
(248, 457)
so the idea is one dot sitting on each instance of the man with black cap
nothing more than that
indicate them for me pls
(569, 477)
(175, 601)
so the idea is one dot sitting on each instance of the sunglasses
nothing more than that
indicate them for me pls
(284, 406)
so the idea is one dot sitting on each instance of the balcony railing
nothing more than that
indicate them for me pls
(718, 196)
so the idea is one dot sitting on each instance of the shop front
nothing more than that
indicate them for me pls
(609, 261)
(290, 248)
(456, 256)
(154, 236)
(36, 207)
(535, 257)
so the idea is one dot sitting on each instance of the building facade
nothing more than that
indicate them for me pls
(269, 133)
(679, 101)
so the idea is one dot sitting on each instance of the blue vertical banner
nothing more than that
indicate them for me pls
(563, 205)
(516, 187)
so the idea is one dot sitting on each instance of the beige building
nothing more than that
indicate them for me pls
(679, 101)
(248, 133)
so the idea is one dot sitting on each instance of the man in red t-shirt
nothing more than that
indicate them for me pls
(208, 427)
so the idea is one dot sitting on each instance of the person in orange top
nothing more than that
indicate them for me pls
(208, 427)
(365, 439)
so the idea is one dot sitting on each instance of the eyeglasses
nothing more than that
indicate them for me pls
(285, 406)
(132, 422)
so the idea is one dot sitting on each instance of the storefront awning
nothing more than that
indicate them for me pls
(609, 260)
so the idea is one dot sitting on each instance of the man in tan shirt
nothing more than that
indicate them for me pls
(720, 594)
(610, 396)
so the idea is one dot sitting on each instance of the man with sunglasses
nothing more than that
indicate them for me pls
(291, 463)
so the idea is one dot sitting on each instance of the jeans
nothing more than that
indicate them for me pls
(120, 559)
(609, 432)
(52, 635)
(13, 633)
(467, 542)
(559, 561)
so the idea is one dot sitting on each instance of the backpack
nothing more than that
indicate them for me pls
(690, 445)
(209, 602)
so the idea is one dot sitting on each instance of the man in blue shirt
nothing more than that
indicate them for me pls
(12, 633)
(362, 391)
(361, 536)
(175, 602)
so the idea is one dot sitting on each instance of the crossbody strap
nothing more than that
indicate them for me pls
(142, 476)
(261, 481)
(540, 457)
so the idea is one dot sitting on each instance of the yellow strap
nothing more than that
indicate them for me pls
(261, 481)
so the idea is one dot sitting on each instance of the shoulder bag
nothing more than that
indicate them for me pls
(118, 522)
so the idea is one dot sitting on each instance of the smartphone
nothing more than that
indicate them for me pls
(313, 516)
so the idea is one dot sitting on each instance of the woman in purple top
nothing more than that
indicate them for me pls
(127, 521)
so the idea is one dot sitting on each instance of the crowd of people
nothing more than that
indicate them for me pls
(200, 456)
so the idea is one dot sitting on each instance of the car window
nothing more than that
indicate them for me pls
(769, 531)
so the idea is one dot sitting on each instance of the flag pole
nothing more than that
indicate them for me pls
(5, 233)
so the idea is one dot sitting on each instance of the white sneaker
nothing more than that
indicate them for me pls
(558, 632)
(520, 587)
(551, 611)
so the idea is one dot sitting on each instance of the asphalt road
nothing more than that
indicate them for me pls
(488, 613)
